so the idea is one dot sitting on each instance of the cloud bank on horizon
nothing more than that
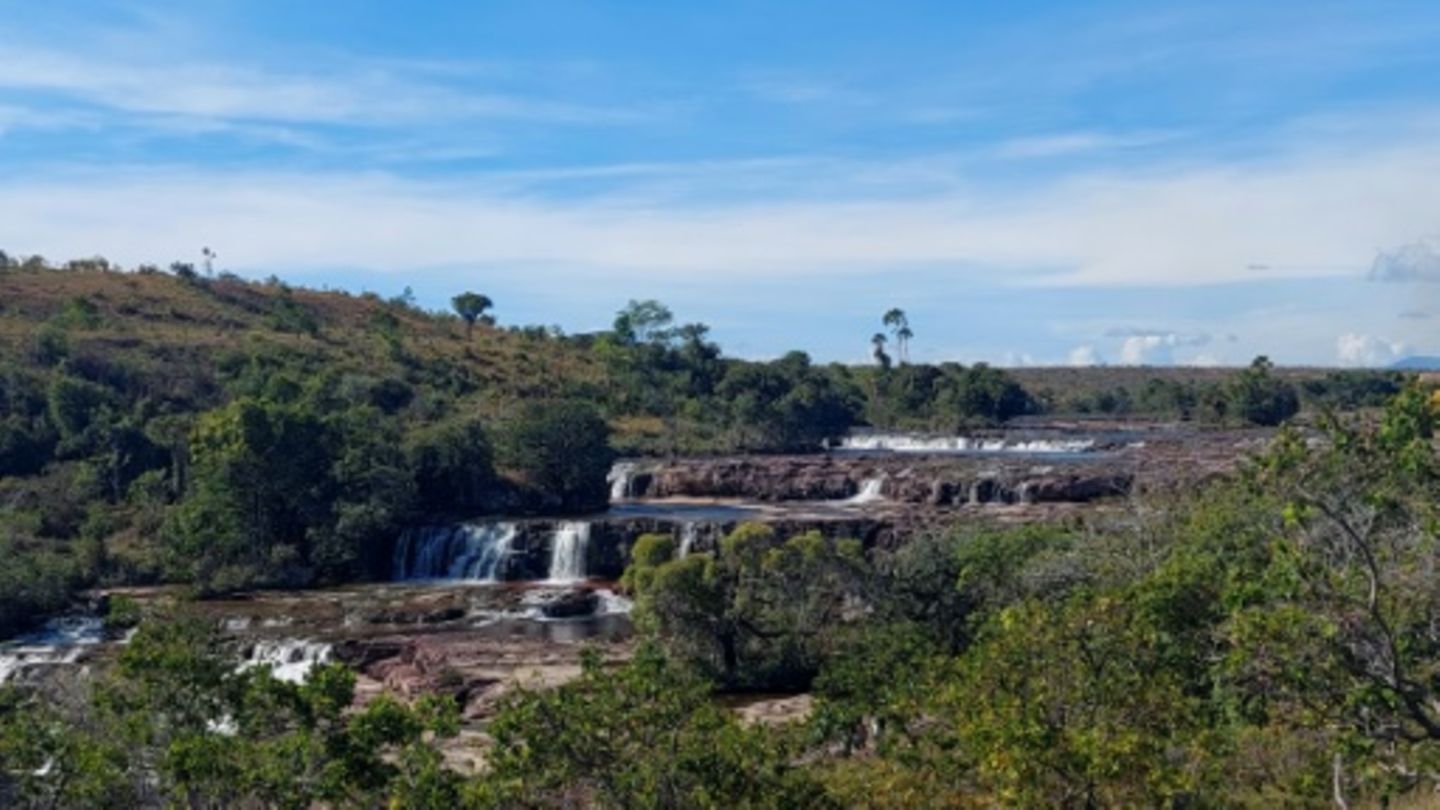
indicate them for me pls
(1119, 183)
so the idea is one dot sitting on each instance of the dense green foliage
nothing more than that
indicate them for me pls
(759, 614)
(563, 451)
(1268, 641)
(645, 735)
(173, 723)
(1204, 395)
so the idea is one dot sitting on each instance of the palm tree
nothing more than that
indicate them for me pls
(878, 341)
(900, 327)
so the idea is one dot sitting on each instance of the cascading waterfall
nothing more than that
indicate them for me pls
(903, 443)
(60, 641)
(619, 478)
(689, 533)
(472, 551)
(869, 491)
(568, 551)
(290, 660)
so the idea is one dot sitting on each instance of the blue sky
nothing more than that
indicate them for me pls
(1034, 182)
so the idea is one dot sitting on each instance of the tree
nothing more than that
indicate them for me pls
(877, 341)
(644, 322)
(1260, 397)
(470, 306)
(899, 325)
(647, 735)
(262, 480)
(1347, 644)
(783, 406)
(562, 450)
(174, 723)
(761, 613)
(903, 335)
(453, 465)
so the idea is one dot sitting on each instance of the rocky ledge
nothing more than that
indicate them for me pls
(1164, 458)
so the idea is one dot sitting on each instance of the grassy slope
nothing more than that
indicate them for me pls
(172, 333)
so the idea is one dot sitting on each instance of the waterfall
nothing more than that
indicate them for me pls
(290, 660)
(619, 480)
(59, 641)
(905, 443)
(568, 550)
(689, 532)
(869, 491)
(473, 551)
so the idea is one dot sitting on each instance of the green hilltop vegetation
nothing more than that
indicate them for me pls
(166, 426)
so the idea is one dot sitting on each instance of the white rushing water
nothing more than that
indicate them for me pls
(907, 443)
(291, 660)
(612, 604)
(619, 479)
(689, 533)
(869, 491)
(473, 551)
(59, 641)
(568, 551)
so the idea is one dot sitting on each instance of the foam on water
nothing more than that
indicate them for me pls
(869, 492)
(290, 660)
(910, 443)
(60, 641)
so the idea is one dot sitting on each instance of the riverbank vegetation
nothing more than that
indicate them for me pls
(1270, 640)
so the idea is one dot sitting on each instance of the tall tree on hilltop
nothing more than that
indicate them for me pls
(470, 306)
(878, 341)
(899, 326)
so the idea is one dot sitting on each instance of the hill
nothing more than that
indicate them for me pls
(1416, 363)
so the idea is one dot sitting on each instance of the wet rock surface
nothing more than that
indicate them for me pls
(1109, 467)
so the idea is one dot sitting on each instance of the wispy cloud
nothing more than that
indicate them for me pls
(353, 93)
(1183, 226)
(1064, 144)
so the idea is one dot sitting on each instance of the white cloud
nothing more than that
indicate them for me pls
(1147, 350)
(1366, 350)
(1413, 261)
(360, 93)
(1150, 347)
(1194, 226)
(1084, 356)
(1309, 214)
